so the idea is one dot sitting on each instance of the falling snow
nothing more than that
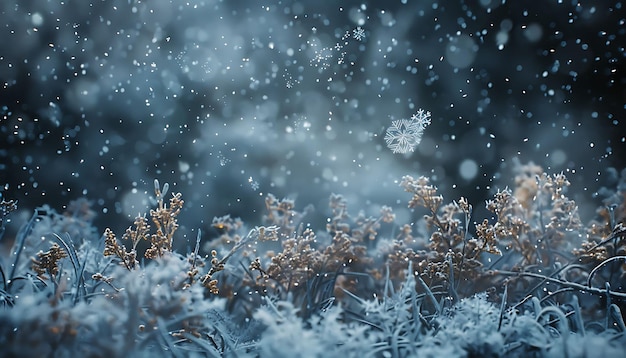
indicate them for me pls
(304, 98)
(229, 101)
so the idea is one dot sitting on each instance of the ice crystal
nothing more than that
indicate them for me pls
(358, 33)
(405, 134)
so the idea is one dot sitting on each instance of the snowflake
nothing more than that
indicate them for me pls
(422, 118)
(253, 184)
(405, 134)
(358, 33)
(223, 159)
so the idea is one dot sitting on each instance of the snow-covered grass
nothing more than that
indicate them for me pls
(530, 281)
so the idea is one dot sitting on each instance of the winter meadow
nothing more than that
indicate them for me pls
(239, 178)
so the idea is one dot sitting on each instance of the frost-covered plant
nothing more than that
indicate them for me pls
(6, 207)
(537, 219)
(46, 227)
(153, 310)
(451, 256)
(604, 250)
(48, 262)
(475, 327)
(299, 264)
(471, 326)
(88, 306)
(398, 319)
(324, 291)
(165, 221)
(287, 335)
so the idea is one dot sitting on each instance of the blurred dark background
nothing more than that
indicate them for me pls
(228, 101)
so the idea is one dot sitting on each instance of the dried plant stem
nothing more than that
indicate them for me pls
(577, 286)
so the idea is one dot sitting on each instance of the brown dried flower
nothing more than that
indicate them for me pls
(48, 262)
